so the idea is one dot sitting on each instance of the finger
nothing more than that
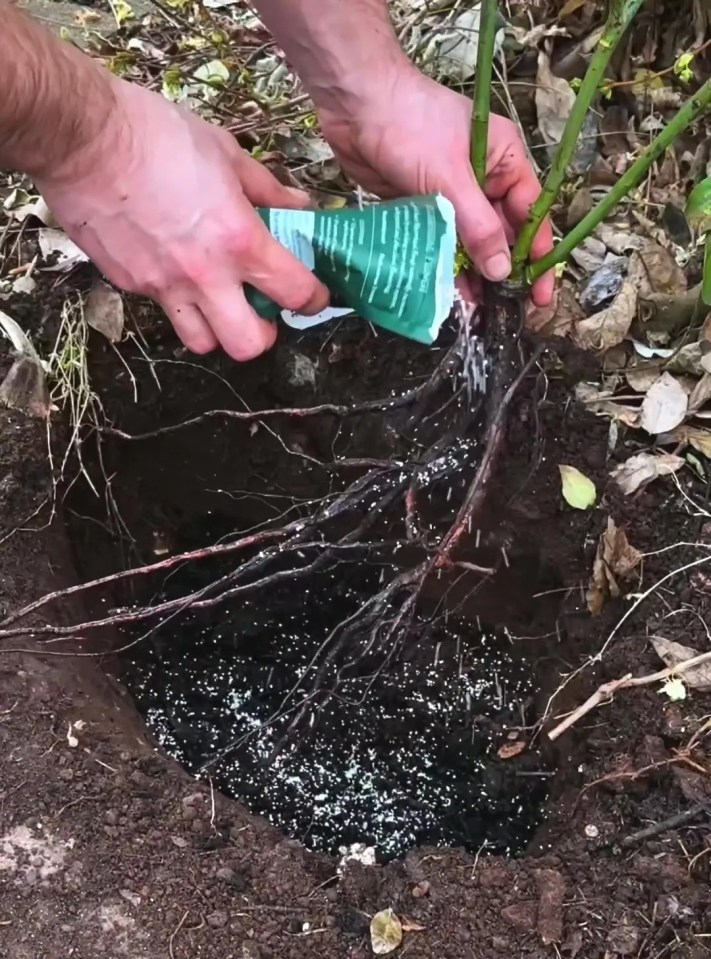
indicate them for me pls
(517, 206)
(480, 229)
(542, 292)
(262, 188)
(468, 286)
(271, 268)
(191, 326)
(242, 334)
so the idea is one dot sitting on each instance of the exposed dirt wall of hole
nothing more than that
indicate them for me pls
(107, 849)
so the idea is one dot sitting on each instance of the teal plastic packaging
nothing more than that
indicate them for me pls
(391, 263)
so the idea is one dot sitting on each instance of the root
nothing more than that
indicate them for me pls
(386, 494)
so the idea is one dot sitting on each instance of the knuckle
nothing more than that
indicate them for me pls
(240, 241)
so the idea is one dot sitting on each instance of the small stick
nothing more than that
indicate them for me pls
(607, 690)
(175, 933)
(680, 819)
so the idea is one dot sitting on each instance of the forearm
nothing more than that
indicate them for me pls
(343, 50)
(54, 101)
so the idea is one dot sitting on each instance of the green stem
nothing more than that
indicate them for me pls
(621, 14)
(697, 104)
(706, 281)
(482, 88)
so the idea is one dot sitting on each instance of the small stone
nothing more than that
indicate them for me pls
(179, 841)
(225, 874)
(250, 950)
(217, 919)
(31, 876)
(591, 831)
(112, 817)
(422, 889)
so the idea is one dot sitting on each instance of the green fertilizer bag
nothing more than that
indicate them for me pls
(390, 263)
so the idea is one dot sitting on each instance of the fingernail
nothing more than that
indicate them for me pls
(498, 267)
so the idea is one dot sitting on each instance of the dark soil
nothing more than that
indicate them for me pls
(107, 848)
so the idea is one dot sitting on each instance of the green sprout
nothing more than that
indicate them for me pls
(698, 213)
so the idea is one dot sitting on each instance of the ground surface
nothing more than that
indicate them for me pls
(108, 849)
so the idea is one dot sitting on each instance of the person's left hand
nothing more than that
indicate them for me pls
(416, 139)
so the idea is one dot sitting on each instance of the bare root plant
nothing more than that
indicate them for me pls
(392, 504)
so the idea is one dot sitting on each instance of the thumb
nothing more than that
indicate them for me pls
(263, 189)
(480, 230)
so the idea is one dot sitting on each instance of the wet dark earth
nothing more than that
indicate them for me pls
(390, 743)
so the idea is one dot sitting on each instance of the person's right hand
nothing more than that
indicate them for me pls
(163, 205)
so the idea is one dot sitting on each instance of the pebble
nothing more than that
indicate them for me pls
(217, 919)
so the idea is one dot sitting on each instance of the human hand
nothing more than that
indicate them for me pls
(416, 139)
(163, 205)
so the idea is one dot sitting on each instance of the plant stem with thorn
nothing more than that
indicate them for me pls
(482, 88)
(621, 15)
(696, 105)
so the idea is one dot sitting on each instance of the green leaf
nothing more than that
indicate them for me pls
(682, 67)
(578, 491)
(698, 207)
(122, 11)
(674, 688)
(385, 932)
(706, 278)
(172, 84)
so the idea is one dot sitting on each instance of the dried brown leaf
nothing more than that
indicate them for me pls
(701, 393)
(554, 101)
(664, 405)
(580, 206)
(103, 311)
(25, 388)
(600, 402)
(590, 254)
(615, 561)
(570, 6)
(640, 470)
(559, 317)
(642, 376)
(674, 654)
(509, 750)
(610, 326)
(662, 273)
(686, 359)
(694, 436)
